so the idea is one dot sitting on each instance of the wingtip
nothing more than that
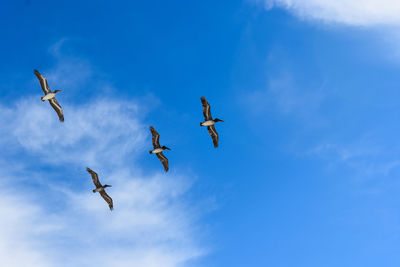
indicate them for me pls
(88, 169)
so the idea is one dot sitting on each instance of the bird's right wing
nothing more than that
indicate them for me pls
(95, 177)
(155, 137)
(43, 82)
(107, 198)
(163, 160)
(53, 102)
(214, 135)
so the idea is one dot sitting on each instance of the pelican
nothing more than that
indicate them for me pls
(158, 150)
(100, 188)
(209, 121)
(49, 95)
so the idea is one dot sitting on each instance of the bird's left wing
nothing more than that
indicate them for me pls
(95, 177)
(214, 135)
(53, 102)
(163, 160)
(43, 82)
(206, 109)
(107, 198)
(155, 137)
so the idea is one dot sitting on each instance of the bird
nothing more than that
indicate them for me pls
(209, 121)
(49, 95)
(158, 150)
(101, 188)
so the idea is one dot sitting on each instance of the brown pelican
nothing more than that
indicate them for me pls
(158, 150)
(209, 121)
(49, 95)
(100, 188)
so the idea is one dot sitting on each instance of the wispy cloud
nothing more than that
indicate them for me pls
(151, 224)
(98, 131)
(350, 12)
(365, 156)
(287, 95)
(51, 217)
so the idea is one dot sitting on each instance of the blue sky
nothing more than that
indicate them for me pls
(307, 169)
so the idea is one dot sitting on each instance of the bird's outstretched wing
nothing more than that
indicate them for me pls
(53, 102)
(95, 177)
(163, 160)
(206, 109)
(214, 135)
(155, 137)
(107, 198)
(43, 82)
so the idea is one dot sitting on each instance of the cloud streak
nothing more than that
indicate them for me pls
(349, 12)
(51, 217)
(152, 224)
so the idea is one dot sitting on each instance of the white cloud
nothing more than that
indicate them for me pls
(283, 92)
(20, 227)
(366, 156)
(351, 12)
(52, 218)
(104, 130)
(151, 224)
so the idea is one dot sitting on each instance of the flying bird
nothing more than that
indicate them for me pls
(209, 121)
(158, 150)
(49, 95)
(101, 188)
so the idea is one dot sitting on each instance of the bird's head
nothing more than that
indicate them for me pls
(217, 120)
(164, 147)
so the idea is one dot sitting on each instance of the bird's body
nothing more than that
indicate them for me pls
(49, 95)
(101, 188)
(209, 121)
(98, 189)
(158, 149)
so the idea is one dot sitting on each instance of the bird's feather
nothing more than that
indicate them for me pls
(43, 82)
(155, 137)
(163, 160)
(107, 198)
(206, 109)
(53, 102)
(214, 135)
(95, 178)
